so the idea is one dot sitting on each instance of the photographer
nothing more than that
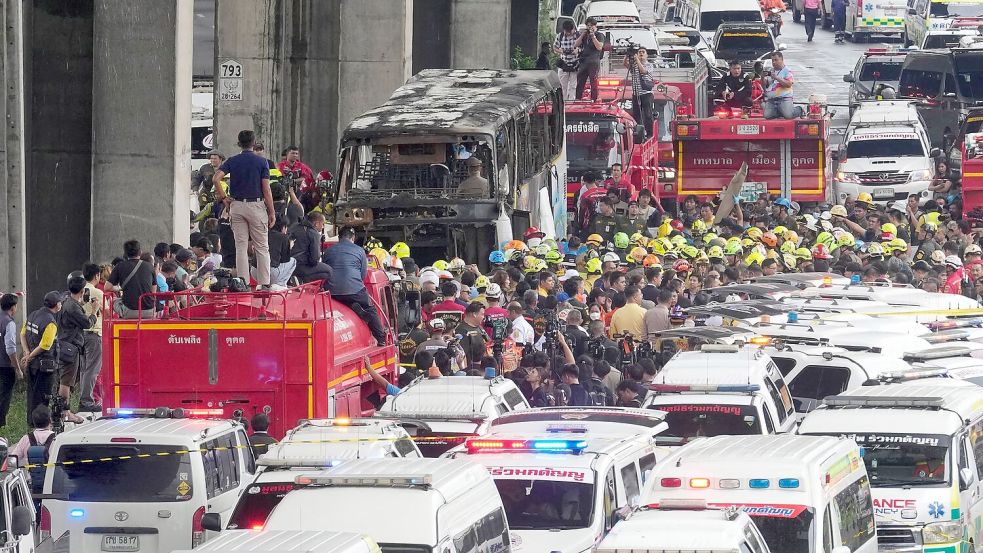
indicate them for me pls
(72, 322)
(566, 66)
(591, 44)
(642, 83)
(473, 337)
(575, 336)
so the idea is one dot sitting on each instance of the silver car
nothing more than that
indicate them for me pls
(877, 66)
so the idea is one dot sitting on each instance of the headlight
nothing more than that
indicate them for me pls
(921, 174)
(942, 532)
(847, 177)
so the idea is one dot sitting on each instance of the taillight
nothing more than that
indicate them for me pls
(45, 523)
(197, 532)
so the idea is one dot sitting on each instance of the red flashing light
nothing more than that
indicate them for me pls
(721, 113)
(609, 82)
(671, 482)
(256, 527)
(204, 413)
(123, 440)
(699, 483)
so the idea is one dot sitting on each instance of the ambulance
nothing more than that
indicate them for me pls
(922, 445)
(927, 15)
(684, 525)
(564, 473)
(289, 541)
(720, 390)
(806, 494)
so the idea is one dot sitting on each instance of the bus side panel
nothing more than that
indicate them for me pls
(704, 167)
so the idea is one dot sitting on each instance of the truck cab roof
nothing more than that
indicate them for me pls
(163, 431)
(462, 398)
(328, 442)
(669, 530)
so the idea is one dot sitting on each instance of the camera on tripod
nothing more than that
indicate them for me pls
(631, 48)
(58, 407)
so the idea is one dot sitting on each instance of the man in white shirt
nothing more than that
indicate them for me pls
(522, 331)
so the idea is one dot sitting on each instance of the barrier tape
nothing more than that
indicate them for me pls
(421, 439)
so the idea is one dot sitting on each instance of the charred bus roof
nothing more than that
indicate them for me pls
(453, 102)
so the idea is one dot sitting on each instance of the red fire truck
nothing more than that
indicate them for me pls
(785, 157)
(293, 354)
(969, 156)
(601, 134)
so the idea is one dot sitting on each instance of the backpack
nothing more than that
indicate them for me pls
(598, 394)
(37, 454)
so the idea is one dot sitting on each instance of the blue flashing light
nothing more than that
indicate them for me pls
(740, 388)
(793, 317)
(76, 513)
(788, 483)
(855, 279)
(758, 483)
(124, 412)
(558, 445)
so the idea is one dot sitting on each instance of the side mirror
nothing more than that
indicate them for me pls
(22, 520)
(849, 78)
(211, 521)
(782, 46)
(935, 152)
(966, 478)
(619, 128)
(911, 11)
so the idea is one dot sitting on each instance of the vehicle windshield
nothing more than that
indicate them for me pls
(546, 504)
(704, 420)
(747, 42)
(955, 9)
(592, 141)
(969, 75)
(435, 444)
(974, 124)
(895, 147)
(788, 535)
(163, 475)
(933, 42)
(895, 460)
(885, 71)
(256, 503)
(709, 21)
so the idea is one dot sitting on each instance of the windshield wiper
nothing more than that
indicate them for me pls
(882, 482)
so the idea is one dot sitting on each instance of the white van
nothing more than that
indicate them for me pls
(683, 525)
(707, 15)
(440, 505)
(806, 494)
(287, 541)
(923, 448)
(135, 480)
(564, 472)
(440, 412)
(312, 446)
(893, 295)
(720, 390)
(887, 153)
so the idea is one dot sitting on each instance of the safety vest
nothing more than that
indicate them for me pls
(36, 323)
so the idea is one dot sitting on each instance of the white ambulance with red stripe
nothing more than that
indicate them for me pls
(564, 473)
(806, 494)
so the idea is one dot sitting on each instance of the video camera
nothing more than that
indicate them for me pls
(225, 282)
(58, 407)
(631, 48)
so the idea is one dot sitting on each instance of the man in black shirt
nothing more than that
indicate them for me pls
(591, 44)
(282, 265)
(133, 278)
(734, 89)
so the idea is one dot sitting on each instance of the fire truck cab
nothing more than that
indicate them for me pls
(788, 157)
(293, 354)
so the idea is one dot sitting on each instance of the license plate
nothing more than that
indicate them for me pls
(748, 129)
(120, 543)
(884, 193)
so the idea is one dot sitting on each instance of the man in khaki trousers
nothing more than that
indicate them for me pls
(250, 205)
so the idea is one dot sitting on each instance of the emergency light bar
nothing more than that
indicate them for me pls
(683, 504)
(433, 415)
(304, 462)
(163, 413)
(571, 428)
(914, 374)
(368, 480)
(864, 401)
(943, 336)
(947, 325)
(938, 353)
(479, 445)
(720, 348)
(331, 423)
(712, 388)
(730, 483)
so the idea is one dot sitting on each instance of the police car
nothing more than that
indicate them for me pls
(141, 479)
(564, 472)
(309, 448)
(744, 393)
(440, 412)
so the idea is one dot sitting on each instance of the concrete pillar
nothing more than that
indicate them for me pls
(524, 31)
(308, 68)
(251, 33)
(431, 35)
(141, 113)
(13, 260)
(479, 31)
(58, 122)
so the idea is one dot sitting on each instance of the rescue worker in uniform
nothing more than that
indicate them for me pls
(606, 223)
(637, 221)
(39, 338)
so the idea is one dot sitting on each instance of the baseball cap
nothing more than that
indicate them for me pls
(437, 323)
(51, 299)
(184, 254)
(921, 265)
(953, 261)
(568, 274)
